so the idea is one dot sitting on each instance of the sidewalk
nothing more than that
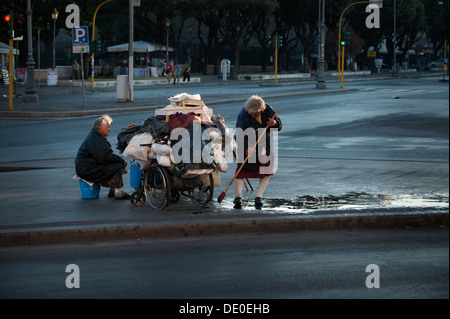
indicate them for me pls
(41, 204)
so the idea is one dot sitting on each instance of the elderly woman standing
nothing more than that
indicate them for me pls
(255, 115)
(96, 162)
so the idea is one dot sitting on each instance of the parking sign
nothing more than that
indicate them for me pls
(80, 40)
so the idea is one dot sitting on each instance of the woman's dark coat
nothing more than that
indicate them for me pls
(95, 160)
(245, 121)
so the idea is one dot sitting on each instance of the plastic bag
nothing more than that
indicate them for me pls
(135, 150)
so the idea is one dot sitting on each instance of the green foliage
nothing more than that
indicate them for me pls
(233, 22)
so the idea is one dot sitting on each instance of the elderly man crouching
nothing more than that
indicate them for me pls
(96, 162)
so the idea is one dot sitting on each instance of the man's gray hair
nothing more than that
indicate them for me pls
(102, 120)
(255, 104)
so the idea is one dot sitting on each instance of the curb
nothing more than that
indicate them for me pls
(101, 234)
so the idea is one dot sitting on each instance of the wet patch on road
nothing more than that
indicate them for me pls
(356, 201)
(306, 204)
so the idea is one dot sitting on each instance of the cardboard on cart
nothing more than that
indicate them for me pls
(204, 112)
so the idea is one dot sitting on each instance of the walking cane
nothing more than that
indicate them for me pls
(222, 195)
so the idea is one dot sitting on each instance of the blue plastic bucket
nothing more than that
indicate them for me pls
(135, 176)
(89, 192)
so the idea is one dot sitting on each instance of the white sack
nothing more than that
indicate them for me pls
(164, 160)
(161, 149)
(134, 150)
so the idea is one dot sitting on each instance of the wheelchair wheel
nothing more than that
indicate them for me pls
(202, 194)
(138, 198)
(156, 187)
(174, 196)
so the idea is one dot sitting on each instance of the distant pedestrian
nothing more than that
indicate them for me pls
(75, 70)
(169, 71)
(187, 73)
(176, 73)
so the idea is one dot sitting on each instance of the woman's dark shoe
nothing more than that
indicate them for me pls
(258, 203)
(237, 203)
(111, 193)
(123, 197)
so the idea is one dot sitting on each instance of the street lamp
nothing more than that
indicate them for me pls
(54, 17)
(394, 69)
(321, 52)
(30, 85)
(167, 29)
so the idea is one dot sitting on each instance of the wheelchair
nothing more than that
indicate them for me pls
(159, 187)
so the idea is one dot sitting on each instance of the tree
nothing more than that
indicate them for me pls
(208, 14)
(437, 21)
(265, 28)
(410, 25)
(236, 25)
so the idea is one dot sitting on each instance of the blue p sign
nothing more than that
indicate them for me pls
(80, 35)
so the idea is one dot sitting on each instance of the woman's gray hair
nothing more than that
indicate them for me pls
(102, 120)
(255, 104)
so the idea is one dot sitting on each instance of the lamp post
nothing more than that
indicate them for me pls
(93, 38)
(321, 62)
(54, 17)
(189, 47)
(394, 69)
(167, 29)
(30, 85)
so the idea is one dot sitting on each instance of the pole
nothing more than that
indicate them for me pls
(11, 77)
(445, 55)
(30, 85)
(276, 58)
(39, 58)
(342, 66)
(340, 29)
(394, 69)
(131, 52)
(167, 45)
(82, 79)
(93, 38)
(321, 53)
(54, 44)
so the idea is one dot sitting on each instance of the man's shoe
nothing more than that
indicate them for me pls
(237, 203)
(258, 203)
(111, 193)
(123, 197)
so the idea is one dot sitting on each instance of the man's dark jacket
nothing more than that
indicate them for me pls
(95, 160)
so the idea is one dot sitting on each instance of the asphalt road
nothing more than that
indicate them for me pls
(367, 128)
(410, 264)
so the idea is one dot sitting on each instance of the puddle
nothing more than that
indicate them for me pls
(308, 203)
(357, 201)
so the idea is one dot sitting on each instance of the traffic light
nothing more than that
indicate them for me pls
(20, 25)
(280, 41)
(98, 46)
(347, 38)
(8, 23)
(92, 45)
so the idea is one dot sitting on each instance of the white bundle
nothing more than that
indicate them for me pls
(164, 160)
(134, 150)
(184, 96)
(219, 155)
(161, 149)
